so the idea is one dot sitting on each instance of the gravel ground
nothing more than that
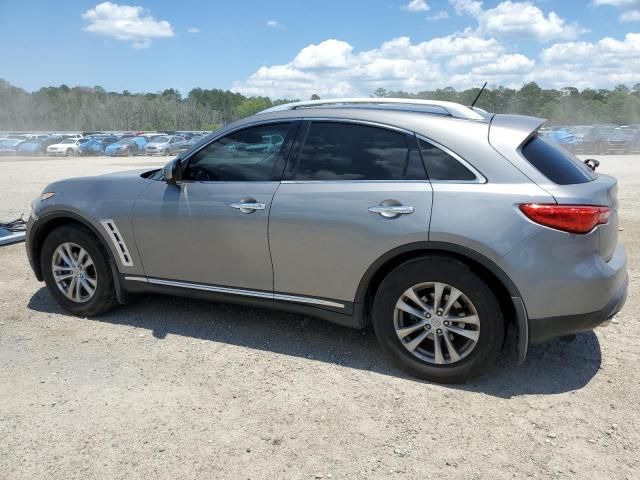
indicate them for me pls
(173, 388)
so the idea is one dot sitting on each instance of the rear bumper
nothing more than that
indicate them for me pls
(541, 329)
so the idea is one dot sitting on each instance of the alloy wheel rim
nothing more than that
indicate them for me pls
(74, 272)
(436, 323)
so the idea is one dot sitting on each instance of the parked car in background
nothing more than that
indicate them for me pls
(96, 145)
(563, 137)
(188, 144)
(604, 139)
(127, 146)
(69, 147)
(30, 147)
(17, 136)
(579, 131)
(8, 146)
(164, 145)
(633, 133)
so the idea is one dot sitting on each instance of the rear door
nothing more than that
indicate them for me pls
(352, 192)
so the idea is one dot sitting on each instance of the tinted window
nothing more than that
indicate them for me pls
(555, 163)
(253, 154)
(343, 151)
(442, 166)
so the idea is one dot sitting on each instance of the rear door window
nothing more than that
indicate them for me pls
(346, 151)
(442, 166)
(556, 163)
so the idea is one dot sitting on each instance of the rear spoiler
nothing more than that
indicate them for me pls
(508, 132)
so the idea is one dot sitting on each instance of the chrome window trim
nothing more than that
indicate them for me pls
(354, 181)
(358, 122)
(480, 178)
(236, 291)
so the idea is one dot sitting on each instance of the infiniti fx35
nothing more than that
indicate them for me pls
(439, 224)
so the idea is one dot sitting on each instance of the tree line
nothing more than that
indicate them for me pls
(93, 108)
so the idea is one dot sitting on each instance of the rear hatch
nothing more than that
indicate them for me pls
(571, 182)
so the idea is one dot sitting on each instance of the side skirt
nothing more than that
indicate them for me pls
(334, 311)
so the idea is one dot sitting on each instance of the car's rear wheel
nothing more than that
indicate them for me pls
(77, 272)
(129, 152)
(70, 152)
(438, 320)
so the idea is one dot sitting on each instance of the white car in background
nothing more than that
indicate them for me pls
(69, 147)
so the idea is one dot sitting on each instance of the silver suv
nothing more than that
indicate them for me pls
(439, 224)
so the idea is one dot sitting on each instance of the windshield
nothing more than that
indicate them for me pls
(124, 141)
(69, 140)
(163, 139)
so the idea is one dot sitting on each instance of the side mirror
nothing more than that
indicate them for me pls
(592, 163)
(173, 172)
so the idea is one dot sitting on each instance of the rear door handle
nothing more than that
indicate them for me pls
(391, 211)
(248, 207)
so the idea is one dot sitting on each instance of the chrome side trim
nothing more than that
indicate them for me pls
(313, 301)
(118, 241)
(237, 291)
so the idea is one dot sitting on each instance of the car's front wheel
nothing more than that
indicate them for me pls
(77, 272)
(438, 320)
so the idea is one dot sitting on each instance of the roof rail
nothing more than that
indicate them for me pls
(453, 109)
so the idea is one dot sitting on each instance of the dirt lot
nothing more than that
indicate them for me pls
(172, 388)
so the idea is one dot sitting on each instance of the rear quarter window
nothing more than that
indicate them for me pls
(556, 163)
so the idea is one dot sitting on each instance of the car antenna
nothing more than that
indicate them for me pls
(478, 96)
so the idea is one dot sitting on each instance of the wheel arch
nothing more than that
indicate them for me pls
(508, 294)
(48, 223)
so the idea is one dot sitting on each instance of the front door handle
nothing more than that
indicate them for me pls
(391, 211)
(248, 206)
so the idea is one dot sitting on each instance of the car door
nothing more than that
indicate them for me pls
(351, 193)
(212, 228)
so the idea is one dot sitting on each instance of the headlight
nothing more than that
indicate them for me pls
(46, 196)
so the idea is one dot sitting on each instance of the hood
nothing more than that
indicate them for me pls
(90, 196)
(100, 186)
(61, 145)
(157, 144)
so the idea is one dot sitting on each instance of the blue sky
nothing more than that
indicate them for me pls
(295, 48)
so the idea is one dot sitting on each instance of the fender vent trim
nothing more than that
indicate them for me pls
(118, 241)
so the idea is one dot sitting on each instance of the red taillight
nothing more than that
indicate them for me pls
(568, 218)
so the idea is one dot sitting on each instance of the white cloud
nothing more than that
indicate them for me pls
(630, 16)
(470, 7)
(606, 62)
(274, 24)
(518, 20)
(630, 8)
(333, 68)
(441, 15)
(416, 6)
(193, 30)
(127, 23)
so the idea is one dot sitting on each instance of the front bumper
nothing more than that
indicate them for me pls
(541, 329)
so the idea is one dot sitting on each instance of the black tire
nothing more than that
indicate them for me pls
(129, 152)
(70, 152)
(104, 298)
(459, 275)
